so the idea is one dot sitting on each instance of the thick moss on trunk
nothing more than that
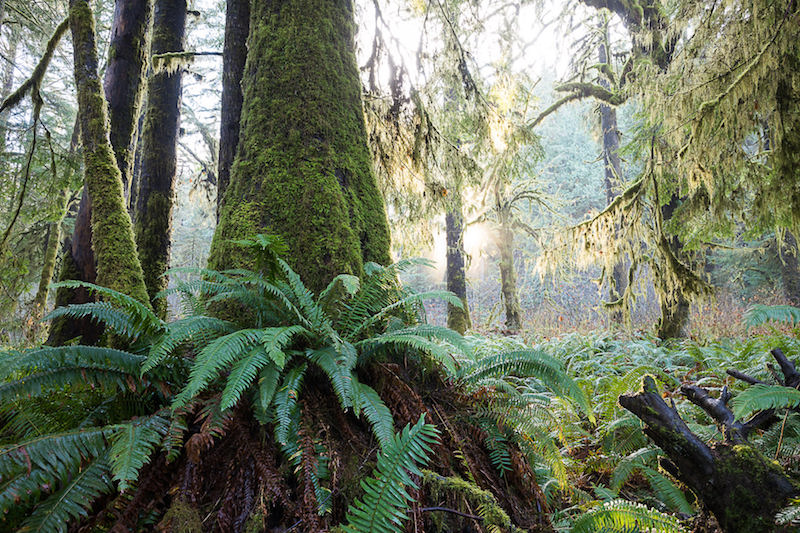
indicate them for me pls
(673, 302)
(156, 181)
(237, 26)
(508, 276)
(303, 168)
(123, 84)
(118, 265)
(457, 319)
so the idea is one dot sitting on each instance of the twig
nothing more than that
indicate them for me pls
(452, 511)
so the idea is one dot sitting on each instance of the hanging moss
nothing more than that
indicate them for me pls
(118, 264)
(303, 168)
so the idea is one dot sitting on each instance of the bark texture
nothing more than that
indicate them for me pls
(156, 180)
(234, 55)
(118, 265)
(457, 319)
(303, 169)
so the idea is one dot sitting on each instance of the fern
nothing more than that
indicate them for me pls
(379, 416)
(131, 446)
(761, 397)
(621, 516)
(72, 500)
(758, 315)
(383, 508)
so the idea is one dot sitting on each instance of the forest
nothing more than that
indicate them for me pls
(469, 266)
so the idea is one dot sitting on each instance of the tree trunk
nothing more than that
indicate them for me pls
(508, 276)
(303, 169)
(124, 79)
(123, 86)
(673, 303)
(790, 270)
(237, 26)
(457, 319)
(159, 144)
(118, 265)
(743, 489)
(613, 176)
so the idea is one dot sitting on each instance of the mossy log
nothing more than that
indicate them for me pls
(742, 488)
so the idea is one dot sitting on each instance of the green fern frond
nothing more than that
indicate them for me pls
(286, 401)
(345, 282)
(268, 379)
(213, 357)
(384, 507)
(416, 298)
(761, 397)
(440, 353)
(72, 500)
(338, 366)
(36, 372)
(373, 408)
(789, 515)
(758, 315)
(199, 329)
(621, 516)
(142, 320)
(666, 491)
(528, 363)
(131, 446)
(629, 465)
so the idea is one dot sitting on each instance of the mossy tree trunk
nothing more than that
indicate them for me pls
(123, 86)
(156, 181)
(234, 55)
(673, 303)
(790, 269)
(118, 265)
(612, 176)
(508, 276)
(303, 168)
(456, 272)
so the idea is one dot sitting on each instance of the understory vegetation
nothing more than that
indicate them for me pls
(87, 429)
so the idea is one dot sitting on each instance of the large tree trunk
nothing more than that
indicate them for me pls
(303, 168)
(234, 55)
(123, 85)
(456, 273)
(118, 265)
(613, 176)
(156, 182)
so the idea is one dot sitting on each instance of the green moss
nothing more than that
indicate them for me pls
(118, 264)
(440, 487)
(183, 518)
(303, 169)
(153, 227)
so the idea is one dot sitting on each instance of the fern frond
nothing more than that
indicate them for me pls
(286, 401)
(758, 315)
(621, 516)
(213, 357)
(199, 329)
(131, 447)
(666, 491)
(73, 500)
(142, 320)
(417, 298)
(373, 408)
(347, 282)
(630, 464)
(383, 508)
(761, 397)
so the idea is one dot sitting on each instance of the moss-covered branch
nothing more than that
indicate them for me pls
(32, 84)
